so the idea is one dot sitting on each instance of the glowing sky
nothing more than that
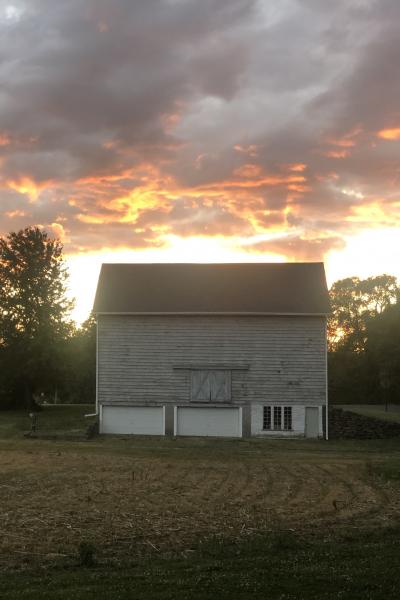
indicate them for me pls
(212, 130)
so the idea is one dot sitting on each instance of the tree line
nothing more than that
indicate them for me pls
(45, 356)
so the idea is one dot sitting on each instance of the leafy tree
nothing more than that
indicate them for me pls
(34, 312)
(350, 377)
(354, 302)
(379, 293)
(78, 382)
(383, 352)
(364, 340)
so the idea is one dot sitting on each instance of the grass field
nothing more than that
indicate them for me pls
(195, 518)
(375, 411)
(63, 419)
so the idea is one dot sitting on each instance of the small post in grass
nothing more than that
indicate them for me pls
(384, 380)
(34, 420)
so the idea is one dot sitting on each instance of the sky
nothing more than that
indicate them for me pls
(212, 131)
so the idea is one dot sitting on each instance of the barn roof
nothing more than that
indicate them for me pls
(229, 288)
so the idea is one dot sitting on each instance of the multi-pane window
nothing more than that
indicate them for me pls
(276, 418)
(287, 418)
(267, 417)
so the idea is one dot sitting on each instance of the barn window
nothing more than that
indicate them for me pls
(277, 417)
(276, 422)
(287, 418)
(267, 417)
(210, 386)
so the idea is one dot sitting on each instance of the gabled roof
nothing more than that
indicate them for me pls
(229, 288)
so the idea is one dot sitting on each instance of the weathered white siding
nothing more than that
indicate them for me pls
(138, 356)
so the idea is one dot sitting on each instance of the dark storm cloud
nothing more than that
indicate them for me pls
(120, 120)
(369, 96)
(77, 75)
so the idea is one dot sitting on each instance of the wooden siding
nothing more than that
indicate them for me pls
(285, 358)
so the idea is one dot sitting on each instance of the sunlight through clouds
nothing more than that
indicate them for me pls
(167, 131)
(84, 268)
(369, 253)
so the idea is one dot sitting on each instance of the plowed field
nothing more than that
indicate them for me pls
(128, 498)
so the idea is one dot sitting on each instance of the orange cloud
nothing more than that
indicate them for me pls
(342, 143)
(297, 167)
(295, 187)
(102, 179)
(298, 247)
(389, 134)
(27, 186)
(59, 231)
(371, 214)
(337, 153)
(248, 170)
(109, 144)
(4, 139)
(92, 219)
(12, 214)
(251, 149)
(327, 177)
(170, 120)
(348, 140)
(268, 180)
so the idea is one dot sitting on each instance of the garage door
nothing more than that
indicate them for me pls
(223, 422)
(141, 420)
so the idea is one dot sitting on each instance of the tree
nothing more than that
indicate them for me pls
(383, 351)
(78, 382)
(34, 312)
(364, 340)
(354, 302)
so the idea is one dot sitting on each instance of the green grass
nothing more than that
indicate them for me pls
(67, 419)
(374, 412)
(324, 566)
(387, 470)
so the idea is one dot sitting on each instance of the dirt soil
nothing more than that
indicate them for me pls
(52, 498)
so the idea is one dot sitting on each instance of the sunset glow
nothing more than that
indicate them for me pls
(84, 268)
(390, 134)
(164, 132)
(368, 250)
(25, 186)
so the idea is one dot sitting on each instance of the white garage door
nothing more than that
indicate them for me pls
(223, 422)
(142, 420)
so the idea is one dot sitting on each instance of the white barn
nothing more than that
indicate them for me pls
(212, 349)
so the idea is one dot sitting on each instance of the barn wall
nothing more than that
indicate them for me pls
(298, 418)
(138, 356)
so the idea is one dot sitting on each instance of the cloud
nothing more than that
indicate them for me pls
(189, 217)
(298, 248)
(125, 122)
(390, 134)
